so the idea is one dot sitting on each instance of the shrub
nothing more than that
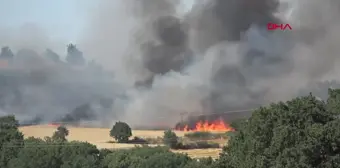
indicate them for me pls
(199, 135)
(121, 131)
(204, 135)
(170, 139)
(9, 136)
(205, 145)
(230, 134)
(51, 154)
(138, 140)
(238, 124)
(145, 157)
(198, 145)
(61, 133)
(201, 163)
(166, 160)
(157, 140)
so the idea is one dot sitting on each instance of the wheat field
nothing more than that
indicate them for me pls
(100, 137)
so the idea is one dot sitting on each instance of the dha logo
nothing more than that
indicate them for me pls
(273, 26)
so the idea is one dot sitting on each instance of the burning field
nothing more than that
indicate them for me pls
(196, 129)
(100, 137)
(205, 125)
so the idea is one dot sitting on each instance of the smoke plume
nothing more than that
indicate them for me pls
(214, 58)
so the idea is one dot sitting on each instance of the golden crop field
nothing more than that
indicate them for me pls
(200, 153)
(100, 137)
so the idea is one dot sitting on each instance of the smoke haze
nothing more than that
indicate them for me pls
(216, 57)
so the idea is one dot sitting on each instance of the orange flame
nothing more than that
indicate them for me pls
(217, 125)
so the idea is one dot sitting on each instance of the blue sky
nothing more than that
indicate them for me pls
(61, 18)
(64, 19)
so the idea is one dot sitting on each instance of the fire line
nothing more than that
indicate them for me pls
(216, 125)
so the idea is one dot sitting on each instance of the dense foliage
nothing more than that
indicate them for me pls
(303, 132)
(53, 154)
(11, 140)
(61, 133)
(121, 131)
(204, 135)
(145, 157)
(170, 139)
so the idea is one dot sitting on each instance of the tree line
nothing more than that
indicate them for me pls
(74, 56)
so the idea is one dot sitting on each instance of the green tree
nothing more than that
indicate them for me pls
(79, 155)
(11, 140)
(165, 160)
(303, 132)
(61, 134)
(121, 131)
(170, 139)
(37, 153)
(56, 154)
(333, 101)
(145, 157)
(237, 124)
(201, 163)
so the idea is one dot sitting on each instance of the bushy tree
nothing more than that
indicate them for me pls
(303, 132)
(61, 134)
(11, 140)
(53, 154)
(166, 160)
(238, 124)
(201, 163)
(145, 157)
(333, 101)
(170, 139)
(121, 131)
(79, 155)
(37, 153)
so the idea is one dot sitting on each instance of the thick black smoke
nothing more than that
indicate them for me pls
(236, 17)
(171, 52)
(246, 60)
(233, 19)
(216, 57)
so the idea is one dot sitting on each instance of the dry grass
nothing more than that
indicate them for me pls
(200, 153)
(100, 137)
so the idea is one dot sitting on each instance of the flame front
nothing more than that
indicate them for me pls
(217, 125)
(54, 124)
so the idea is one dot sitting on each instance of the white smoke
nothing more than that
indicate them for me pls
(119, 31)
